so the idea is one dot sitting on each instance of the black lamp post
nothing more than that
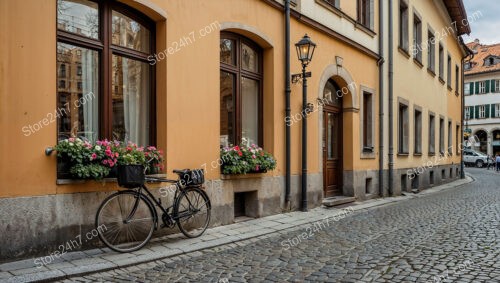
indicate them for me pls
(305, 51)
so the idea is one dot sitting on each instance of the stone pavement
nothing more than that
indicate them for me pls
(271, 236)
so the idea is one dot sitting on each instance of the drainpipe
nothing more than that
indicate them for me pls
(287, 105)
(462, 173)
(464, 59)
(391, 106)
(380, 64)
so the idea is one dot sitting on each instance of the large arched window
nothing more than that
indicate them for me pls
(240, 91)
(109, 89)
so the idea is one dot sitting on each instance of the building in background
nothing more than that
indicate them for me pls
(427, 92)
(482, 98)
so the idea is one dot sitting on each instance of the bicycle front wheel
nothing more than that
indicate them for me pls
(125, 221)
(192, 212)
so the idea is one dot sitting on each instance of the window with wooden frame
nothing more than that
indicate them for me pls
(431, 50)
(432, 137)
(334, 3)
(403, 25)
(448, 71)
(441, 62)
(417, 38)
(403, 129)
(441, 136)
(241, 78)
(450, 137)
(365, 13)
(105, 46)
(417, 131)
(368, 118)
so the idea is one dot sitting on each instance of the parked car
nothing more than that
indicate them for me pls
(475, 158)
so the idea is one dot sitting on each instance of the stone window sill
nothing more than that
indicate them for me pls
(418, 63)
(404, 52)
(105, 180)
(242, 176)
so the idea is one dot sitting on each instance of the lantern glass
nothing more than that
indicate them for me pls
(305, 49)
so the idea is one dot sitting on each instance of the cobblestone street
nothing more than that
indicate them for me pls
(449, 236)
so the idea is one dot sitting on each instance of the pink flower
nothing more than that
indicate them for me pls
(111, 163)
(140, 148)
(116, 154)
(105, 162)
(71, 139)
(253, 156)
(93, 156)
(257, 168)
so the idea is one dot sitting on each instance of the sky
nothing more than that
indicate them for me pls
(486, 22)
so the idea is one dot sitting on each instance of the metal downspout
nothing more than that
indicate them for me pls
(391, 102)
(287, 105)
(381, 99)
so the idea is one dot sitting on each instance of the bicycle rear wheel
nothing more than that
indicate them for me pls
(192, 212)
(126, 221)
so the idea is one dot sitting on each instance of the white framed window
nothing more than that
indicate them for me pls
(497, 110)
(482, 111)
(467, 89)
(482, 87)
(497, 85)
(467, 113)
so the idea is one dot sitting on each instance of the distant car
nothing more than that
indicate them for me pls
(475, 158)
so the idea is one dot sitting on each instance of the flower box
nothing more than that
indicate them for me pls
(81, 159)
(246, 159)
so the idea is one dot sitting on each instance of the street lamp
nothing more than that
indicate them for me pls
(305, 51)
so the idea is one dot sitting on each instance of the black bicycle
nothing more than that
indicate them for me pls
(127, 219)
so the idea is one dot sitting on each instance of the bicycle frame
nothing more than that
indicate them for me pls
(151, 198)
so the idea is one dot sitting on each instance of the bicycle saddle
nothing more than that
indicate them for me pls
(181, 171)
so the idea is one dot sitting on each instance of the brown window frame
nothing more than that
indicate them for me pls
(404, 17)
(403, 129)
(365, 15)
(105, 48)
(238, 73)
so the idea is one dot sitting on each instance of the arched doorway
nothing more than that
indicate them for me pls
(496, 142)
(481, 141)
(332, 140)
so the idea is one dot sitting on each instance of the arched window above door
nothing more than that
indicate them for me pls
(332, 94)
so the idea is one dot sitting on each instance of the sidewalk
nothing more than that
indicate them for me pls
(98, 260)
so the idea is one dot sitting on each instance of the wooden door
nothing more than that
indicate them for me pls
(332, 151)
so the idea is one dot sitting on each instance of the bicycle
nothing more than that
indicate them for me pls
(130, 217)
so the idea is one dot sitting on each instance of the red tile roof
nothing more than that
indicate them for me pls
(481, 52)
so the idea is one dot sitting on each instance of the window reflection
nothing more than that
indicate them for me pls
(227, 51)
(131, 100)
(249, 111)
(78, 16)
(226, 108)
(249, 60)
(129, 33)
(77, 109)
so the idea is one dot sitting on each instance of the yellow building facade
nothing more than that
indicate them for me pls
(193, 76)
